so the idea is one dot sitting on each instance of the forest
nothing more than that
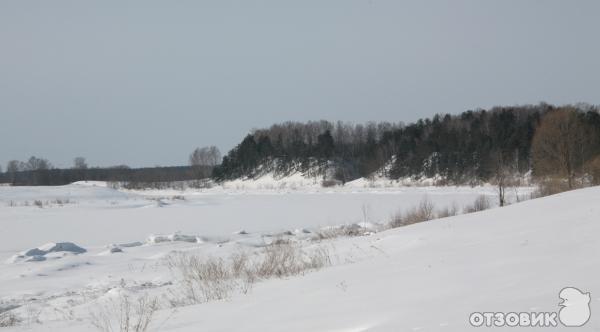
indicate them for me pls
(130, 177)
(476, 145)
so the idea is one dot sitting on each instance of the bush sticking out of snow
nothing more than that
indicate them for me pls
(202, 280)
(40, 203)
(481, 203)
(8, 319)
(423, 212)
(124, 314)
(547, 187)
(288, 259)
(448, 211)
(343, 230)
(209, 279)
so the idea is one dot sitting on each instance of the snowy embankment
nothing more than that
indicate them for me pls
(432, 275)
(427, 276)
(315, 178)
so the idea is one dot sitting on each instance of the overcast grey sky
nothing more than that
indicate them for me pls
(144, 82)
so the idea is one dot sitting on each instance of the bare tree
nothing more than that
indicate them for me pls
(593, 168)
(206, 156)
(203, 160)
(14, 166)
(557, 147)
(79, 163)
(503, 170)
(35, 164)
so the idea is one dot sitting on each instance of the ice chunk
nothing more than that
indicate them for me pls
(42, 252)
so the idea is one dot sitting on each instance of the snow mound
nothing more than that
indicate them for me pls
(302, 231)
(270, 181)
(62, 246)
(102, 184)
(130, 244)
(175, 237)
(42, 252)
(349, 230)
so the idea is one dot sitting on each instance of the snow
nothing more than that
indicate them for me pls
(100, 215)
(173, 238)
(40, 253)
(428, 276)
(295, 181)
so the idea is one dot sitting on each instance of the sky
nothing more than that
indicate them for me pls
(143, 83)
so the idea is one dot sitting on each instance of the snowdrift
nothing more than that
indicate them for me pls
(41, 253)
(432, 276)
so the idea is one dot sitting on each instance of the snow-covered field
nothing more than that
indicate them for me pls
(96, 216)
(429, 276)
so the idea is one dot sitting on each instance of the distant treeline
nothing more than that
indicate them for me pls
(549, 141)
(54, 176)
(459, 148)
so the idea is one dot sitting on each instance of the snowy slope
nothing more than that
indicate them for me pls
(428, 276)
(431, 276)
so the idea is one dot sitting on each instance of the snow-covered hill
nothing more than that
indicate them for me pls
(429, 276)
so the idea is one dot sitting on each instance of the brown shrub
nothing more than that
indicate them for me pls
(423, 212)
(593, 167)
(8, 319)
(209, 279)
(481, 203)
(550, 186)
(448, 211)
(125, 314)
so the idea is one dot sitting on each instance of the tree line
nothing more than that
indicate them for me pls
(40, 172)
(474, 145)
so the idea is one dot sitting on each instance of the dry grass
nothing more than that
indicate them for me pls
(125, 314)
(448, 211)
(8, 319)
(423, 212)
(550, 186)
(481, 203)
(289, 259)
(340, 231)
(209, 279)
(426, 211)
(202, 280)
(40, 203)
